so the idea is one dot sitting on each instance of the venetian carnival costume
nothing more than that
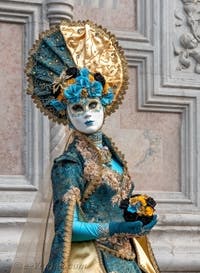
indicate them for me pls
(74, 68)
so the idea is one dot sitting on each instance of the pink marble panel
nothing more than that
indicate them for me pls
(150, 141)
(113, 14)
(11, 123)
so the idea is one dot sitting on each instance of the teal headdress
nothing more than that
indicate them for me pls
(76, 60)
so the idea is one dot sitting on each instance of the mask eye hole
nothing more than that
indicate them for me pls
(77, 108)
(93, 105)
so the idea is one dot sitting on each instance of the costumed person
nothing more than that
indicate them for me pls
(77, 76)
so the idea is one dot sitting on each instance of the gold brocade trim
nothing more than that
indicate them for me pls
(68, 235)
(120, 183)
(94, 47)
(121, 156)
(117, 253)
(119, 153)
(95, 156)
(94, 170)
(72, 193)
(71, 198)
(145, 256)
(99, 257)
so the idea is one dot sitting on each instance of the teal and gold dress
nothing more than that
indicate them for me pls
(86, 186)
(70, 63)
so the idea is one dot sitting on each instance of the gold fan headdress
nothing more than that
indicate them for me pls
(80, 45)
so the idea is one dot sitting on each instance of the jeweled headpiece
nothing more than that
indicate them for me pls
(75, 60)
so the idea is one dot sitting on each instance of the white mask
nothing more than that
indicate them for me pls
(87, 116)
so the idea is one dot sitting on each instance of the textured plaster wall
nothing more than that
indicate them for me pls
(113, 14)
(149, 140)
(11, 106)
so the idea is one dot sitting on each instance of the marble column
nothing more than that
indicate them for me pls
(58, 10)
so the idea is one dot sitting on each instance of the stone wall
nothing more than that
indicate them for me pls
(157, 127)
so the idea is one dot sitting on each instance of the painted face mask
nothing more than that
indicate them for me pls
(87, 115)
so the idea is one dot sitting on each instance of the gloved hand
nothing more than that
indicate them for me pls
(135, 228)
(149, 226)
(125, 227)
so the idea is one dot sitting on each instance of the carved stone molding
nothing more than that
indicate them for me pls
(143, 32)
(149, 100)
(153, 95)
(36, 127)
(187, 46)
(176, 243)
(17, 191)
(178, 43)
(163, 88)
(58, 10)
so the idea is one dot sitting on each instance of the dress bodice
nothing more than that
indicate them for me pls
(99, 207)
